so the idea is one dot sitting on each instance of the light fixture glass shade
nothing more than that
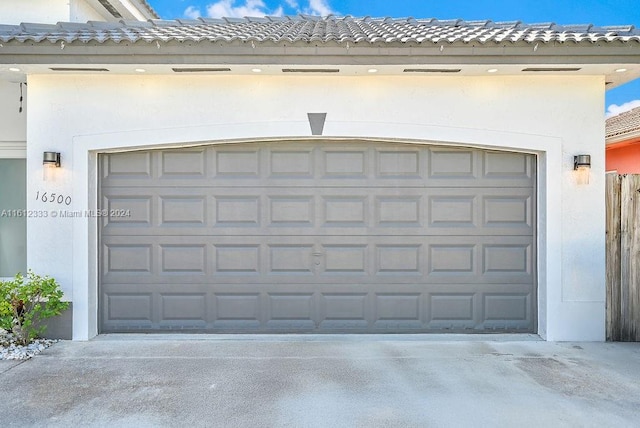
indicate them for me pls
(582, 168)
(582, 174)
(49, 172)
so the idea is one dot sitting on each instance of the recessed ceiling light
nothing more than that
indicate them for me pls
(14, 69)
(492, 70)
(621, 70)
(140, 70)
(372, 70)
(256, 70)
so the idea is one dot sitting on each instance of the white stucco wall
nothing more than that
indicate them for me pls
(81, 11)
(556, 117)
(48, 11)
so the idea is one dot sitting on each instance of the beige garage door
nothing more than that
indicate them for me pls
(317, 237)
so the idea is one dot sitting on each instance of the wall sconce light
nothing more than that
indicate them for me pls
(50, 161)
(582, 167)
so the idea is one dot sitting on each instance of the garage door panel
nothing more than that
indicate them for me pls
(187, 164)
(190, 211)
(344, 308)
(129, 306)
(297, 163)
(237, 163)
(181, 308)
(291, 210)
(507, 259)
(343, 259)
(129, 259)
(344, 163)
(345, 210)
(399, 259)
(317, 259)
(183, 259)
(291, 306)
(446, 308)
(399, 211)
(237, 259)
(450, 163)
(397, 307)
(307, 164)
(127, 211)
(127, 167)
(404, 163)
(505, 165)
(506, 307)
(238, 307)
(290, 259)
(313, 236)
(508, 212)
(236, 211)
(333, 212)
(404, 310)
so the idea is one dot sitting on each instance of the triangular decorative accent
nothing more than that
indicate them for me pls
(316, 121)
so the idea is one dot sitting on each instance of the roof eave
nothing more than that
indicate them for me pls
(624, 137)
(334, 53)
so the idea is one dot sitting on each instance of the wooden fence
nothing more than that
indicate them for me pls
(623, 257)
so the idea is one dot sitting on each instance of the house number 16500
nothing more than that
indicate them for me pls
(53, 198)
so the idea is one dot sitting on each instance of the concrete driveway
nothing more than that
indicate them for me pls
(324, 381)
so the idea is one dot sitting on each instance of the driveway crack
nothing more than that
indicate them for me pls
(13, 366)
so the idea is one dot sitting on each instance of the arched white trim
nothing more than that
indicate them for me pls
(85, 190)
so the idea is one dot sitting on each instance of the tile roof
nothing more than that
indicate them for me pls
(624, 123)
(304, 28)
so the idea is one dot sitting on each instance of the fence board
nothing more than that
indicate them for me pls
(623, 257)
(613, 257)
(630, 250)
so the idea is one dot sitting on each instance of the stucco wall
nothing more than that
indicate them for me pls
(556, 117)
(624, 159)
(81, 11)
(47, 11)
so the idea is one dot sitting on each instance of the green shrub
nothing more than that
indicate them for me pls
(26, 301)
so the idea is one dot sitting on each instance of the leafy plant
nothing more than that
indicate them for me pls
(26, 301)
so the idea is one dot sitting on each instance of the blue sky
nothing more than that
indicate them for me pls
(598, 12)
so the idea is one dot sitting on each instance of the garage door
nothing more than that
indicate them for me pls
(317, 237)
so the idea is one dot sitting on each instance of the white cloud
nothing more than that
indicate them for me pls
(228, 8)
(192, 12)
(242, 8)
(320, 7)
(614, 109)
